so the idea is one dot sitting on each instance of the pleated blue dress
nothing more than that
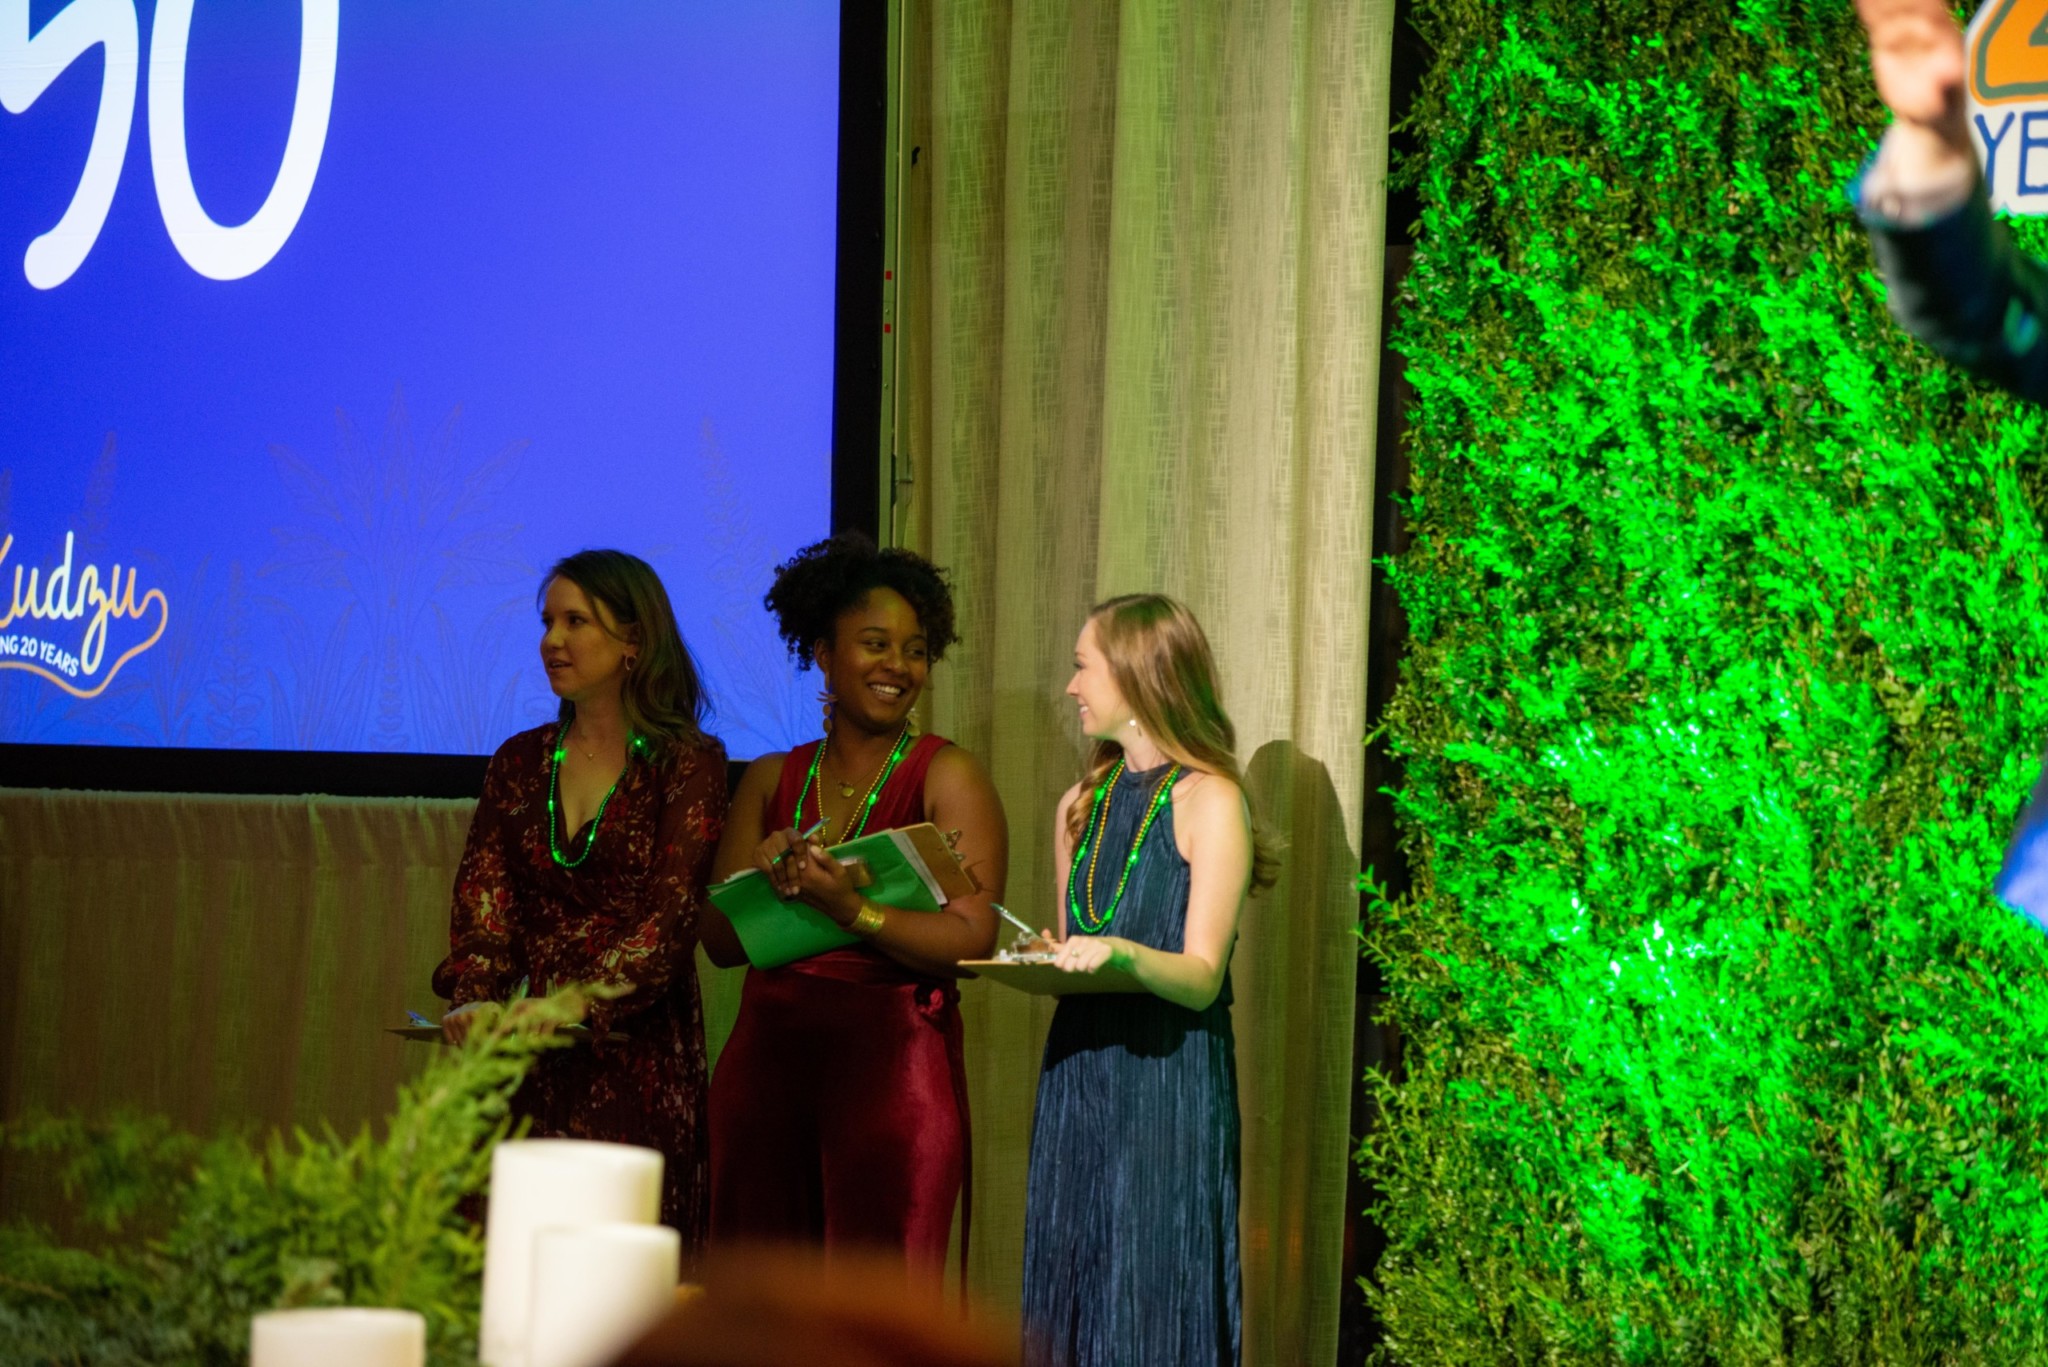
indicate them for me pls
(1130, 1233)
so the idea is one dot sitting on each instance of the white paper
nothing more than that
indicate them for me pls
(901, 841)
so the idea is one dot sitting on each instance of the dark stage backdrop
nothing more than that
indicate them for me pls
(325, 328)
(1729, 667)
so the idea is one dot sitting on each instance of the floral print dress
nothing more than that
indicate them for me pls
(625, 915)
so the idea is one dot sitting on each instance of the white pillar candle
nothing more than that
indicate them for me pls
(597, 1288)
(341, 1337)
(540, 1183)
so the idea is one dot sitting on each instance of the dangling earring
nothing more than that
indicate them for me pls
(829, 700)
(629, 662)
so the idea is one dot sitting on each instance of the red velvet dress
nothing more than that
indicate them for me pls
(626, 915)
(839, 1110)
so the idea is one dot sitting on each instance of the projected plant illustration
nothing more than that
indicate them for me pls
(385, 529)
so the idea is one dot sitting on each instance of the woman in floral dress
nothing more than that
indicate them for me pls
(586, 864)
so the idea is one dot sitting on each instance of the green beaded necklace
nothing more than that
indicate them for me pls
(866, 806)
(1090, 849)
(635, 746)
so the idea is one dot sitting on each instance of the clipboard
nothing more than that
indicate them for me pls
(1041, 979)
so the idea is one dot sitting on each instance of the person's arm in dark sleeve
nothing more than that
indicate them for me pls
(1952, 274)
(1953, 277)
(484, 963)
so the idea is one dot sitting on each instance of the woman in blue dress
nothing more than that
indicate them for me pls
(1130, 1237)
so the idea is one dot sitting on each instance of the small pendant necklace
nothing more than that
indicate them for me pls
(857, 819)
(846, 789)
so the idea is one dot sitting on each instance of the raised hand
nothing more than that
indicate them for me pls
(1916, 54)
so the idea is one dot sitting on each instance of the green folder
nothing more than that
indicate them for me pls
(910, 869)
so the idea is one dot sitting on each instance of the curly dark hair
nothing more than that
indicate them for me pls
(826, 578)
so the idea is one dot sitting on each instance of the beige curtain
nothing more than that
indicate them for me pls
(1144, 246)
(224, 961)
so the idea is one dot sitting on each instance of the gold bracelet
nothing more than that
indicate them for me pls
(868, 923)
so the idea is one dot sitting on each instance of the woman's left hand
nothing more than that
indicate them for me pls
(1088, 953)
(826, 884)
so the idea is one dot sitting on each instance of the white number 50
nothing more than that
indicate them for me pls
(29, 64)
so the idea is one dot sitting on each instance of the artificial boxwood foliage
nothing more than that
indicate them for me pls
(1728, 673)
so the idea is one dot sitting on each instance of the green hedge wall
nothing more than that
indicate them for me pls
(1729, 646)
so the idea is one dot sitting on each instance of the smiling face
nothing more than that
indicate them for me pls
(578, 646)
(876, 662)
(1104, 713)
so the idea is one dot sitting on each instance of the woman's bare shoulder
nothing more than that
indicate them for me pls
(1204, 796)
(768, 766)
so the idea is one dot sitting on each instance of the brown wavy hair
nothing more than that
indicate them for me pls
(1162, 664)
(662, 697)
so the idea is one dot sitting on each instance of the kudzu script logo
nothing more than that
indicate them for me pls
(61, 620)
(31, 62)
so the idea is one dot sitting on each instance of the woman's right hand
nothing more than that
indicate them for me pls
(781, 857)
(1916, 55)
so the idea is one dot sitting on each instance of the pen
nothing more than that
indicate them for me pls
(1004, 912)
(801, 840)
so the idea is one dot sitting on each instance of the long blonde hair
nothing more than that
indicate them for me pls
(1162, 664)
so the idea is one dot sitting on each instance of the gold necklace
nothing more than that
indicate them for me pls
(845, 789)
(860, 811)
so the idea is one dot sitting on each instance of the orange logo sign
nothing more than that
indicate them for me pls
(2009, 52)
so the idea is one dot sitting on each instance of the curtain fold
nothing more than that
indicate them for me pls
(1142, 296)
(223, 961)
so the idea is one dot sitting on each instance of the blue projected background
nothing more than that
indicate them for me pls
(563, 277)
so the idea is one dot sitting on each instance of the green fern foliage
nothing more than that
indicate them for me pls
(1729, 671)
(305, 1219)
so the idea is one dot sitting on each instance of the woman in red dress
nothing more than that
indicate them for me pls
(839, 1110)
(586, 863)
